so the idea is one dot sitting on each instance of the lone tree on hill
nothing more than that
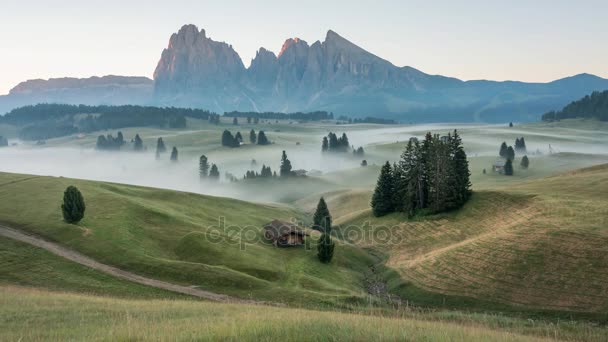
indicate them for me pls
(510, 124)
(160, 146)
(252, 137)
(525, 162)
(203, 167)
(138, 143)
(322, 218)
(325, 145)
(325, 248)
(214, 173)
(238, 137)
(285, 169)
(509, 167)
(382, 200)
(364, 163)
(73, 205)
(174, 154)
(510, 153)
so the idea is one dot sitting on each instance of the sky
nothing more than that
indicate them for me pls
(534, 41)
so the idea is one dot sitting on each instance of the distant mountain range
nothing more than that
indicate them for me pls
(334, 75)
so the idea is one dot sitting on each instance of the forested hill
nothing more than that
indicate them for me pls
(44, 121)
(591, 106)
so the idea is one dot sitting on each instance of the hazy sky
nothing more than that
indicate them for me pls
(533, 40)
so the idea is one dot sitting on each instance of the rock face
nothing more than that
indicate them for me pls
(111, 90)
(339, 76)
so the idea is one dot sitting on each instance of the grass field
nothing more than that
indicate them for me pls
(59, 316)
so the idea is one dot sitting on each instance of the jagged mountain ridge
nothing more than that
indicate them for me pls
(334, 75)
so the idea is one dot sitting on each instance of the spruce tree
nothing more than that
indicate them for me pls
(203, 167)
(503, 150)
(174, 154)
(285, 169)
(214, 173)
(322, 218)
(525, 162)
(509, 167)
(510, 153)
(160, 147)
(262, 140)
(235, 121)
(73, 206)
(238, 137)
(252, 137)
(120, 140)
(325, 145)
(382, 200)
(325, 248)
(138, 143)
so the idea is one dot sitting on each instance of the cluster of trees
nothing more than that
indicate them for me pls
(3, 141)
(506, 152)
(109, 143)
(265, 173)
(311, 116)
(322, 223)
(591, 106)
(235, 141)
(431, 176)
(206, 170)
(333, 143)
(214, 119)
(44, 121)
(359, 152)
(520, 145)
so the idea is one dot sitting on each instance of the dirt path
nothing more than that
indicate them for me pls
(88, 262)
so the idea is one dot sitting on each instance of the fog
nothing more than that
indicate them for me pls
(143, 169)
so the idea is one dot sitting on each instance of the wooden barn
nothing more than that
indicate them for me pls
(284, 234)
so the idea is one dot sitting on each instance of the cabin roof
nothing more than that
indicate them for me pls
(280, 228)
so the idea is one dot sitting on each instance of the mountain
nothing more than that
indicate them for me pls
(339, 76)
(594, 106)
(335, 75)
(111, 90)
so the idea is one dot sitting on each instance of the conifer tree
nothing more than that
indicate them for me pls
(174, 154)
(285, 169)
(73, 206)
(203, 167)
(238, 137)
(510, 153)
(160, 147)
(120, 140)
(325, 145)
(382, 200)
(214, 173)
(138, 143)
(262, 140)
(253, 138)
(364, 163)
(235, 121)
(503, 150)
(525, 162)
(325, 248)
(322, 217)
(509, 167)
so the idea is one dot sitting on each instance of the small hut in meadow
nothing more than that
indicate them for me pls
(284, 234)
(499, 166)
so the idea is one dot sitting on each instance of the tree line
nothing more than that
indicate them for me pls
(44, 121)
(230, 140)
(432, 176)
(368, 119)
(591, 106)
(310, 116)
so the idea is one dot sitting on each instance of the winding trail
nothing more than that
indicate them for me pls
(116, 272)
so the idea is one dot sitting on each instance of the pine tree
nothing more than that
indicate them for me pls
(138, 143)
(509, 167)
(510, 153)
(322, 218)
(174, 154)
(503, 150)
(203, 167)
(262, 140)
(325, 248)
(325, 145)
(73, 206)
(214, 173)
(160, 147)
(120, 140)
(285, 169)
(382, 200)
(253, 138)
(525, 162)
(238, 137)
(364, 163)
(460, 185)
(510, 124)
(235, 121)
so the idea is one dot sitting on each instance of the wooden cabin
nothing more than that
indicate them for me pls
(499, 166)
(284, 234)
